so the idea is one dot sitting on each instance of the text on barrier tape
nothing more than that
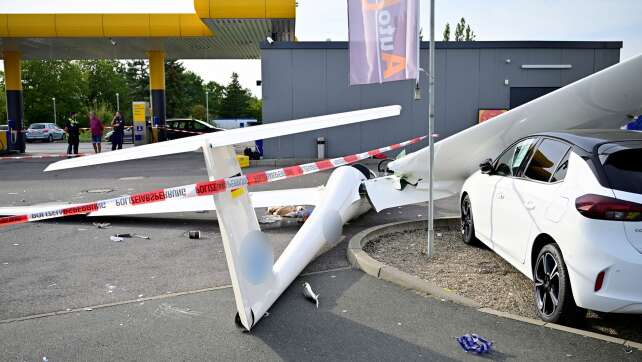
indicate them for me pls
(203, 188)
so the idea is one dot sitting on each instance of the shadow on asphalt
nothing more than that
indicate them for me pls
(289, 324)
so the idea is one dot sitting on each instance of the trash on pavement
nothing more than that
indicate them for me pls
(128, 235)
(102, 225)
(474, 343)
(308, 293)
(194, 234)
(116, 238)
(286, 211)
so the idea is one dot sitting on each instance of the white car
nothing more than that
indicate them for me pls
(48, 132)
(565, 209)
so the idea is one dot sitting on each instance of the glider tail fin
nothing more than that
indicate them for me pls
(247, 250)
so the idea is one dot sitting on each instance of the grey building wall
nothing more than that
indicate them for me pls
(312, 78)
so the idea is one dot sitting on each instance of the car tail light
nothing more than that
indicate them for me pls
(599, 281)
(608, 208)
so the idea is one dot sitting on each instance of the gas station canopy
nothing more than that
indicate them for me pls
(129, 29)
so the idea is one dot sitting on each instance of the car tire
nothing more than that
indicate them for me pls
(551, 283)
(50, 139)
(467, 222)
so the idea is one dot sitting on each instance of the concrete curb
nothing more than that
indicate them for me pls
(361, 260)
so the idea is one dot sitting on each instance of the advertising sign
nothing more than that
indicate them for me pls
(384, 40)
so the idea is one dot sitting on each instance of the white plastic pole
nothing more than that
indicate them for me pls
(207, 106)
(431, 130)
(54, 106)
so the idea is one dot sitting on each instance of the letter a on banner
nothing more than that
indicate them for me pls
(384, 40)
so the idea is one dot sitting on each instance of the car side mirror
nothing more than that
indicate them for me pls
(486, 166)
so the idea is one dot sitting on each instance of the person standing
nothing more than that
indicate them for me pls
(73, 134)
(96, 126)
(118, 127)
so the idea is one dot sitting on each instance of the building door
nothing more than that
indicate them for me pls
(521, 95)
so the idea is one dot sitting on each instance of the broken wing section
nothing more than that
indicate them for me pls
(601, 100)
(304, 196)
(230, 137)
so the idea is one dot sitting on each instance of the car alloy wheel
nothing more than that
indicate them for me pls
(50, 139)
(467, 223)
(552, 287)
(547, 284)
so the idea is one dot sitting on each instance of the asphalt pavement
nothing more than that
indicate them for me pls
(67, 292)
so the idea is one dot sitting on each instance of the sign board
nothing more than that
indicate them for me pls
(139, 110)
(3, 141)
(486, 114)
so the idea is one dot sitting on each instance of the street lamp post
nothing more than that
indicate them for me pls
(207, 106)
(431, 130)
(117, 102)
(54, 109)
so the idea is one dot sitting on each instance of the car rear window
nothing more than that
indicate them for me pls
(37, 126)
(623, 167)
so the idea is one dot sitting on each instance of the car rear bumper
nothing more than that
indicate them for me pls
(38, 136)
(605, 249)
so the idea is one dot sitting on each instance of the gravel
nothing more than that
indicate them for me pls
(479, 274)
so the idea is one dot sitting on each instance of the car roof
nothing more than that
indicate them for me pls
(588, 139)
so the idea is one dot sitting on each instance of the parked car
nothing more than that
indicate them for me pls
(185, 127)
(565, 209)
(48, 132)
(128, 136)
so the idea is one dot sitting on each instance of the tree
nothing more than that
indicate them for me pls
(447, 32)
(235, 102)
(105, 79)
(216, 92)
(184, 89)
(463, 32)
(44, 79)
(3, 100)
(255, 109)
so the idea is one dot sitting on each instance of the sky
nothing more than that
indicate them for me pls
(610, 20)
(592, 20)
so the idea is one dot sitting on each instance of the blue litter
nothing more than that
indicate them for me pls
(474, 343)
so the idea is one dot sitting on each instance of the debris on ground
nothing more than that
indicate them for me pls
(102, 225)
(128, 235)
(116, 238)
(269, 219)
(194, 234)
(474, 343)
(99, 191)
(289, 211)
(308, 293)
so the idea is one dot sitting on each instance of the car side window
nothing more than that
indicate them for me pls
(512, 159)
(560, 173)
(198, 126)
(548, 155)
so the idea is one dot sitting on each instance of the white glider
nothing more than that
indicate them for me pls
(601, 100)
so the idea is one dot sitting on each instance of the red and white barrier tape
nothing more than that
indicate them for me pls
(203, 188)
(51, 155)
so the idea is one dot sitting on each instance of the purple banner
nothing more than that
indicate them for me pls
(383, 40)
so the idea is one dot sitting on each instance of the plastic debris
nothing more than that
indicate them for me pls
(194, 234)
(12, 193)
(308, 293)
(116, 238)
(474, 343)
(128, 235)
(102, 225)
(99, 191)
(288, 211)
(88, 309)
(45, 359)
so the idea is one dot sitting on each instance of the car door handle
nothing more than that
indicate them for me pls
(500, 195)
(530, 205)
